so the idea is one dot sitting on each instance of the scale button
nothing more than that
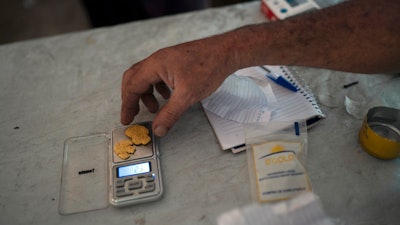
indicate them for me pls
(150, 178)
(135, 184)
(120, 192)
(119, 183)
(148, 188)
(146, 175)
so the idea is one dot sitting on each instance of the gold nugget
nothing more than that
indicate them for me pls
(124, 149)
(139, 134)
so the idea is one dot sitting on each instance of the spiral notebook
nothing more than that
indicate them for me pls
(300, 105)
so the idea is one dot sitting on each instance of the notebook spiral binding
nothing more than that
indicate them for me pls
(301, 86)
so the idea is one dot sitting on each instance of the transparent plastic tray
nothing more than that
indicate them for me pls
(84, 180)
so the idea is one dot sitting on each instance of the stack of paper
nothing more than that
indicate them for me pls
(249, 96)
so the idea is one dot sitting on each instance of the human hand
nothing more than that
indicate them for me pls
(192, 71)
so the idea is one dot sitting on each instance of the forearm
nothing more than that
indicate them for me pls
(356, 36)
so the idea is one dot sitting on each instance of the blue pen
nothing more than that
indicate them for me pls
(278, 79)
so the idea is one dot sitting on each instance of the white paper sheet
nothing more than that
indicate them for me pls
(240, 99)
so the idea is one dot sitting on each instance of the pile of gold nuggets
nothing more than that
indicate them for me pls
(138, 134)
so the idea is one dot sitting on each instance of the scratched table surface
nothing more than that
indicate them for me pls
(69, 85)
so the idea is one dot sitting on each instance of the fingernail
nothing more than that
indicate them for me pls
(160, 131)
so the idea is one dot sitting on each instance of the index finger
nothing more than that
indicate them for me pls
(129, 108)
(133, 86)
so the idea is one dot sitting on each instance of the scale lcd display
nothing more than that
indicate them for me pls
(132, 170)
(294, 3)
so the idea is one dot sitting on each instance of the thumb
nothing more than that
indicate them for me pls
(169, 114)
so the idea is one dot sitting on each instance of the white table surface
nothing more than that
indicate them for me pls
(69, 85)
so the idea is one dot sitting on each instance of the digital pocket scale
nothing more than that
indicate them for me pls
(93, 176)
(282, 9)
(138, 178)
